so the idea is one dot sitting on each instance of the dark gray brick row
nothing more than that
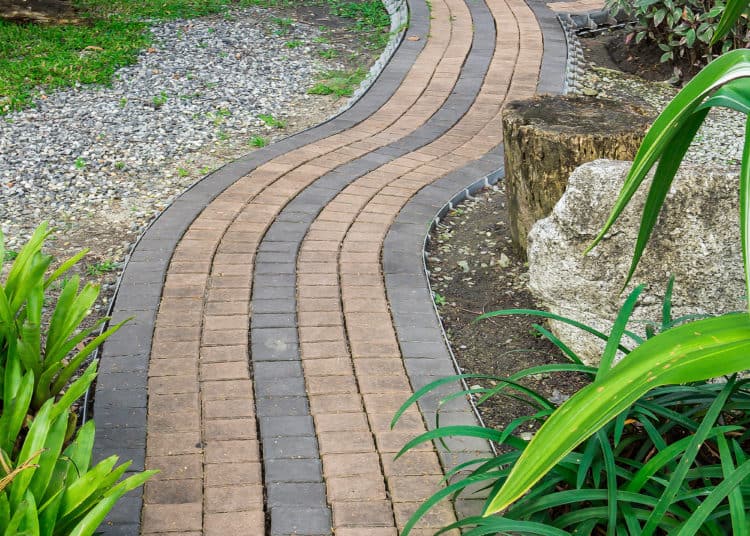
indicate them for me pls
(278, 345)
(426, 354)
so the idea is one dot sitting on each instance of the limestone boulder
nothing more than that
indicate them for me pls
(697, 240)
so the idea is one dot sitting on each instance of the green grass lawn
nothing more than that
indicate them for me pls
(110, 35)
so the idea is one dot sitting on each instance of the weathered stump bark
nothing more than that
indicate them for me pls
(547, 137)
(37, 10)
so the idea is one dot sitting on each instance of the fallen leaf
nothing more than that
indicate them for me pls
(92, 47)
(413, 38)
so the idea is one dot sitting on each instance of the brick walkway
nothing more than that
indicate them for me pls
(282, 312)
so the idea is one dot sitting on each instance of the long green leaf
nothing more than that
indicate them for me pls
(48, 514)
(687, 353)
(544, 314)
(23, 261)
(736, 500)
(434, 385)
(15, 410)
(76, 361)
(669, 161)
(78, 491)
(4, 510)
(714, 498)
(730, 66)
(733, 95)
(666, 306)
(609, 465)
(729, 17)
(88, 525)
(48, 459)
(68, 317)
(441, 494)
(664, 456)
(75, 391)
(564, 348)
(677, 478)
(34, 443)
(450, 431)
(79, 452)
(618, 328)
(496, 525)
(64, 267)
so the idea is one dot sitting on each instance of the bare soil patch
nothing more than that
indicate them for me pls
(474, 269)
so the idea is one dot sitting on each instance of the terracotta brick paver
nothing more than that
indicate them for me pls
(283, 335)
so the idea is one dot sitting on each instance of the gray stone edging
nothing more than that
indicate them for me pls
(120, 402)
(398, 10)
(571, 24)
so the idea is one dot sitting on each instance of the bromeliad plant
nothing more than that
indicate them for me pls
(47, 484)
(685, 354)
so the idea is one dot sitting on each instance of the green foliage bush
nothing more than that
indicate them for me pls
(682, 29)
(48, 486)
(701, 439)
(647, 471)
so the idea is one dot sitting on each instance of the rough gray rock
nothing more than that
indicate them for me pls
(696, 239)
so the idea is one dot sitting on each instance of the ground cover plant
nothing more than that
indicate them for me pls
(584, 472)
(338, 83)
(105, 35)
(48, 484)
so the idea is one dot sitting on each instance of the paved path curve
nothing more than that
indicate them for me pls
(282, 311)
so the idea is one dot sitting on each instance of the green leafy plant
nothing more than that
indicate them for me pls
(52, 355)
(671, 360)
(272, 121)
(624, 477)
(328, 53)
(338, 83)
(103, 267)
(219, 116)
(159, 100)
(284, 25)
(79, 163)
(372, 20)
(258, 141)
(294, 43)
(682, 29)
(47, 484)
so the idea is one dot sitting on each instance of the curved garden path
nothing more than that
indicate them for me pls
(281, 310)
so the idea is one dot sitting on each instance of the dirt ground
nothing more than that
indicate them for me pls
(474, 269)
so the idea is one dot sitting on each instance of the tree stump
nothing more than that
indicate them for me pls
(547, 137)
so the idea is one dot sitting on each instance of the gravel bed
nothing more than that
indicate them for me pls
(100, 162)
(718, 142)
